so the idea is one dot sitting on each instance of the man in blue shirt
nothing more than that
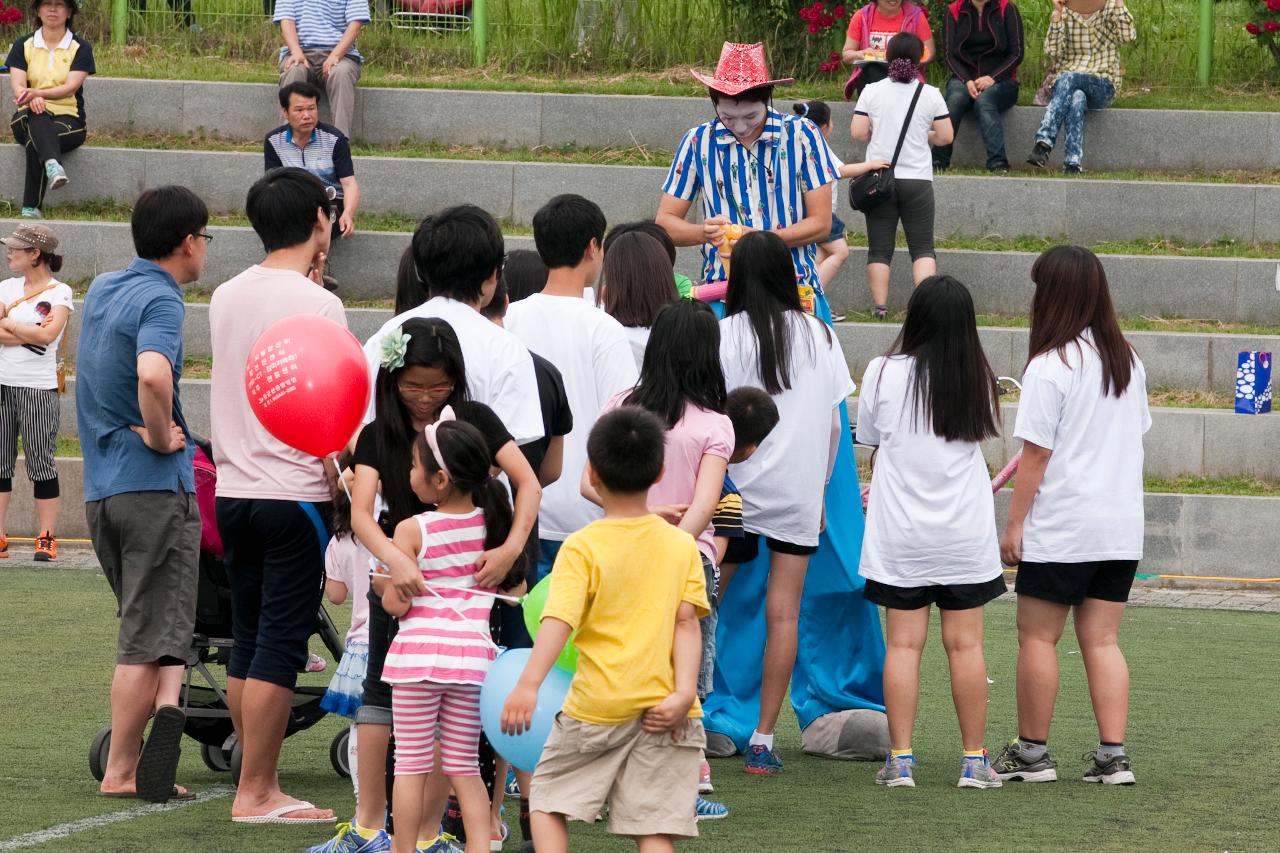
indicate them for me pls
(320, 47)
(321, 149)
(139, 487)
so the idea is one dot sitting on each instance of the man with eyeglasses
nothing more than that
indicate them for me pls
(139, 487)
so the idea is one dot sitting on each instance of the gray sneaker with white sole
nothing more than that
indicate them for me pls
(1117, 770)
(1011, 766)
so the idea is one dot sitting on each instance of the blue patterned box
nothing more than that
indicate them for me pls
(1253, 383)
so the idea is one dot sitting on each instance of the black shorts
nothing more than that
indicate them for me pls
(274, 556)
(951, 596)
(1072, 583)
(747, 548)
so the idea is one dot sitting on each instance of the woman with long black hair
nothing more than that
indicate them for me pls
(1076, 520)
(769, 342)
(421, 371)
(931, 530)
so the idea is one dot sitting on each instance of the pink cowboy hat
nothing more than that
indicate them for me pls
(741, 67)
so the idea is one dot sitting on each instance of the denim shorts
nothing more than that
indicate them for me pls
(838, 229)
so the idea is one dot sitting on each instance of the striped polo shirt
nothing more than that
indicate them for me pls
(321, 23)
(761, 188)
(327, 155)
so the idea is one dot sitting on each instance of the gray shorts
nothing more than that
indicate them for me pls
(707, 672)
(148, 544)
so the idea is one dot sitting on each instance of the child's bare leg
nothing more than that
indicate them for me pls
(407, 806)
(499, 794)
(550, 832)
(654, 843)
(832, 256)
(474, 801)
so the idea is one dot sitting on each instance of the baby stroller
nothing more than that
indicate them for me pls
(204, 699)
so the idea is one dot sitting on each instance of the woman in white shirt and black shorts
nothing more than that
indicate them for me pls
(931, 529)
(34, 310)
(1076, 521)
(878, 117)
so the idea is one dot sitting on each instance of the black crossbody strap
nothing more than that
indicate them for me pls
(906, 123)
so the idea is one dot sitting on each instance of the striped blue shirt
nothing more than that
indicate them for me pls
(321, 23)
(327, 155)
(761, 188)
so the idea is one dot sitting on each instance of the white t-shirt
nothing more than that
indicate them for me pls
(594, 357)
(638, 337)
(886, 103)
(1089, 506)
(783, 483)
(499, 368)
(931, 519)
(32, 365)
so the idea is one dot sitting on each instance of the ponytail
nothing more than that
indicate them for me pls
(815, 111)
(904, 52)
(54, 262)
(467, 458)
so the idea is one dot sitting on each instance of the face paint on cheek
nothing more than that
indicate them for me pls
(742, 121)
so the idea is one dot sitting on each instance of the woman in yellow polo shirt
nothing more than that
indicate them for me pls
(46, 72)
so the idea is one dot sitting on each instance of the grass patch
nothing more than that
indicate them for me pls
(1190, 484)
(635, 156)
(1187, 670)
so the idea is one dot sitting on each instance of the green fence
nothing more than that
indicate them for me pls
(619, 36)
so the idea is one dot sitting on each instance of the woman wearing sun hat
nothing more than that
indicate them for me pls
(34, 309)
(757, 169)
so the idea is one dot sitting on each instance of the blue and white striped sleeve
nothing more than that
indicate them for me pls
(357, 10)
(684, 178)
(819, 161)
(287, 10)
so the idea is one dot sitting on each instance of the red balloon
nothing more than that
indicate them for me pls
(308, 383)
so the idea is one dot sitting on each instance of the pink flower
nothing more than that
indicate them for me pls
(813, 28)
(1271, 26)
(1251, 28)
(839, 13)
(826, 21)
(1273, 5)
(835, 56)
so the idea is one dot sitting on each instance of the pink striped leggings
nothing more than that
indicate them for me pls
(418, 710)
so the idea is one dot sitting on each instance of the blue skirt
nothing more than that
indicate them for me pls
(346, 688)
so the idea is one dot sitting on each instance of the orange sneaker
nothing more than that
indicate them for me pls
(46, 548)
(4, 547)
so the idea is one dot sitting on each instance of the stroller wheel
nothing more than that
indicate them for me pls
(338, 755)
(216, 757)
(237, 757)
(98, 749)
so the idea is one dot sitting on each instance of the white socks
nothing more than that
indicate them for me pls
(758, 739)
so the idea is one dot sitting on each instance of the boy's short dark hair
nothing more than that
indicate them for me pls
(758, 95)
(497, 307)
(457, 250)
(162, 219)
(282, 207)
(298, 87)
(626, 448)
(753, 415)
(564, 227)
(645, 226)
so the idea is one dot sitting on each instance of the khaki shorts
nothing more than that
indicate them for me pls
(148, 544)
(650, 781)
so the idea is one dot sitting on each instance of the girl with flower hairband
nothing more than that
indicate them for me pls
(421, 372)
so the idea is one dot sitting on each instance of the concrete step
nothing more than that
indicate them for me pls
(1235, 290)
(1185, 360)
(1118, 138)
(1081, 210)
(1204, 442)
(1198, 535)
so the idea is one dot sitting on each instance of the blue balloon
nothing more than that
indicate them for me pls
(521, 750)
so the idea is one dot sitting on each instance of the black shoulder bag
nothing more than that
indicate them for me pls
(874, 188)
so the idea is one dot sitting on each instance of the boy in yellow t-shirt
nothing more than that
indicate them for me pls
(632, 587)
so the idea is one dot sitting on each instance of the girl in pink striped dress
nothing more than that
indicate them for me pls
(440, 656)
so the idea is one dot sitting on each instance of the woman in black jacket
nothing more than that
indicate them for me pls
(984, 50)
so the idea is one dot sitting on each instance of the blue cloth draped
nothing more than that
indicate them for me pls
(840, 650)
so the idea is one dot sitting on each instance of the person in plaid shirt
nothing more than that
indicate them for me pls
(1083, 42)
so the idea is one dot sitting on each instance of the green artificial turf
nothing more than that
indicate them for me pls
(1202, 734)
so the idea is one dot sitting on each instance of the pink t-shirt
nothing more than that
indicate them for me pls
(251, 463)
(347, 561)
(698, 433)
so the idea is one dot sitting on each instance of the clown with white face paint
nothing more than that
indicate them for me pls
(752, 167)
(757, 169)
